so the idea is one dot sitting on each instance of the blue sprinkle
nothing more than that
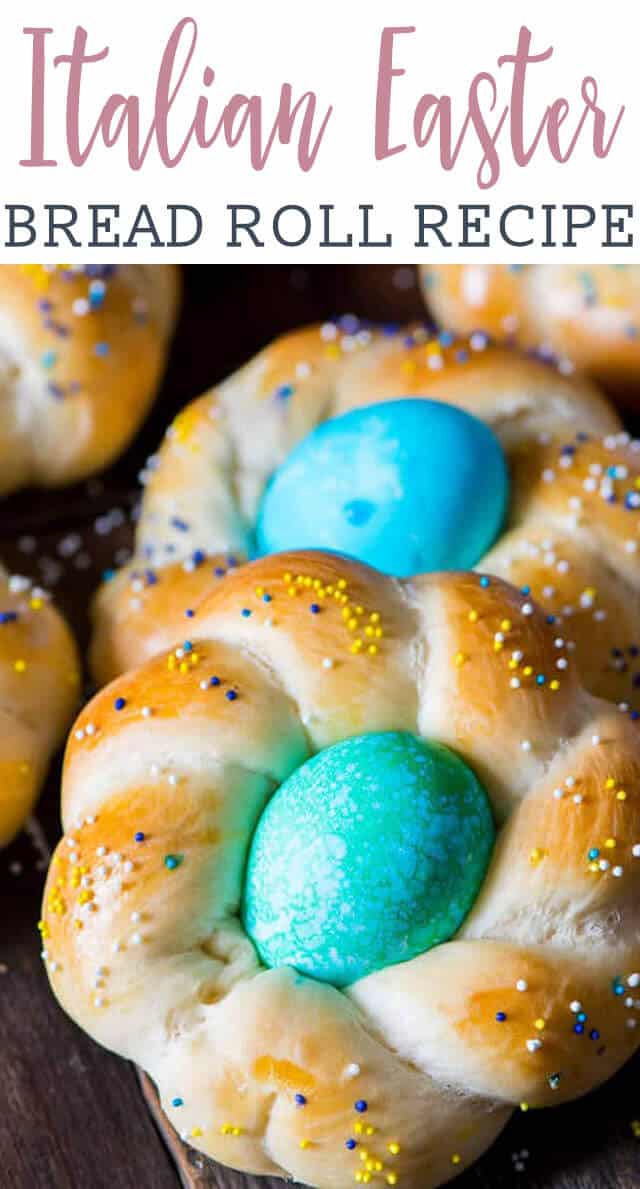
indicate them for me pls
(189, 613)
(102, 349)
(214, 681)
(48, 359)
(446, 338)
(540, 679)
(138, 836)
(525, 590)
(578, 1029)
(219, 572)
(300, 1100)
(245, 612)
(581, 1017)
(231, 695)
(351, 1144)
(120, 703)
(361, 1106)
(266, 598)
(594, 1034)
(181, 525)
(198, 557)
(187, 646)
(177, 1102)
(314, 609)
(284, 391)
(594, 852)
(484, 581)
(8, 616)
(501, 1016)
(551, 619)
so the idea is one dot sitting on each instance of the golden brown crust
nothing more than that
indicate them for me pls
(39, 688)
(81, 354)
(176, 760)
(587, 316)
(574, 549)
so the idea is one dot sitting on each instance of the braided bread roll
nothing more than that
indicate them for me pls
(166, 775)
(587, 316)
(576, 551)
(39, 687)
(82, 351)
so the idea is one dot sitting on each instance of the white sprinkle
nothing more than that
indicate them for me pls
(526, 745)
(617, 871)
(136, 939)
(635, 850)
(352, 1070)
(135, 917)
(147, 712)
(634, 980)
(101, 850)
(558, 794)
(577, 800)
(327, 663)
(595, 739)
(632, 1023)
(534, 1045)
(527, 608)
(575, 1006)
(562, 663)
(515, 683)
(522, 984)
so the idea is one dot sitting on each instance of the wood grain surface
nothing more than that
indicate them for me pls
(71, 1115)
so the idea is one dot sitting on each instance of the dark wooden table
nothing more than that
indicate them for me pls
(71, 1115)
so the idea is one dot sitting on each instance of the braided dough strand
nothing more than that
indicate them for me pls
(165, 777)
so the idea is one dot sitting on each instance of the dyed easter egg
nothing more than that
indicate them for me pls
(406, 486)
(371, 852)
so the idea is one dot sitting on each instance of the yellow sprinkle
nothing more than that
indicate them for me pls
(184, 667)
(593, 866)
(287, 577)
(358, 1128)
(473, 617)
(370, 1130)
(195, 1131)
(373, 650)
(554, 685)
(392, 1178)
(20, 666)
(35, 603)
(236, 1131)
(498, 645)
(456, 1158)
(610, 843)
(505, 626)
(394, 1148)
(513, 664)
(540, 1024)
(536, 855)
(527, 670)
(305, 1143)
(460, 658)
(609, 783)
(259, 591)
(374, 617)
(621, 795)
(524, 1106)
(342, 585)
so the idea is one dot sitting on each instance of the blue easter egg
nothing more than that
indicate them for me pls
(372, 852)
(407, 486)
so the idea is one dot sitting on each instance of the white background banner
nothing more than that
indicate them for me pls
(486, 184)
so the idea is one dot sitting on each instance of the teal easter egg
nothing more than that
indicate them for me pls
(407, 486)
(372, 852)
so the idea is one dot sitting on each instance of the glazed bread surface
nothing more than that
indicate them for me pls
(408, 1074)
(82, 351)
(588, 316)
(572, 531)
(39, 689)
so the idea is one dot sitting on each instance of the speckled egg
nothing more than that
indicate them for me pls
(407, 486)
(371, 852)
